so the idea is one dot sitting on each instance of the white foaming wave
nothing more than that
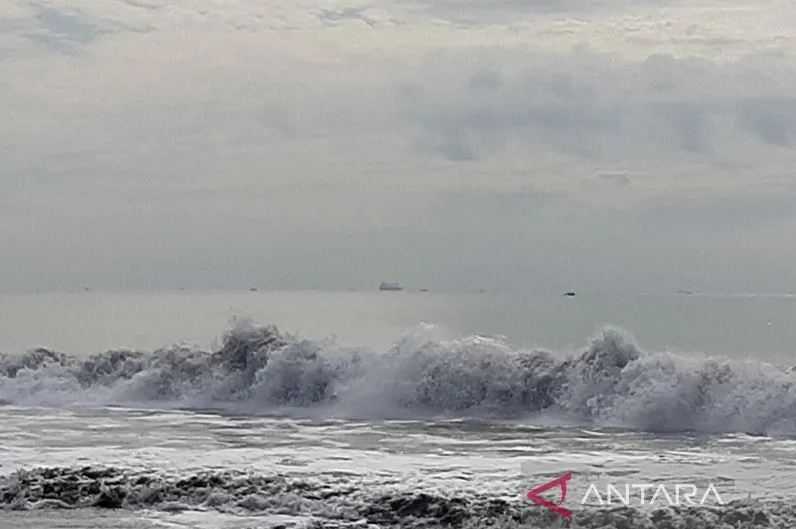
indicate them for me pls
(336, 501)
(612, 382)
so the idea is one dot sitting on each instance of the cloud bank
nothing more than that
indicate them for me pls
(616, 145)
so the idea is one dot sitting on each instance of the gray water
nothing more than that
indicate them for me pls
(736, 325)
(424, 410)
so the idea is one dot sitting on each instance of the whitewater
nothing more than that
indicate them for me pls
(268, 428)
(258, 369)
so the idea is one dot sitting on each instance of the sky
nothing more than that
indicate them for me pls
(643, 145)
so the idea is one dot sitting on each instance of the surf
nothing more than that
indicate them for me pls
(259, 369)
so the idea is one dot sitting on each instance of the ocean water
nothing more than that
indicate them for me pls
(406, 409)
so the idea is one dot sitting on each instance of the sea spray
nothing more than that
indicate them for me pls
(258, 368)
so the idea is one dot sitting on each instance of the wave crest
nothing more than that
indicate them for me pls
(612, 382)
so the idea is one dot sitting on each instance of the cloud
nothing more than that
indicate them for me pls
(773, 119)
(281, 138)
(619, 178)
(64, 30)
(332, 16)
(480, 12)
(595, 106)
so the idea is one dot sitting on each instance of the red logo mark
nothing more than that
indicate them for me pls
(561, 483)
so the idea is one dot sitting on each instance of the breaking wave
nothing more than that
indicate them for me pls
(347, 503)
(258, 368)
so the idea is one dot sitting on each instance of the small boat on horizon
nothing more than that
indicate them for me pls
(390, 286)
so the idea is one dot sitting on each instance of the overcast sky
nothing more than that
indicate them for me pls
(587, 144)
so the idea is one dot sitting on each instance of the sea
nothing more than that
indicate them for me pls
(363, 409)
